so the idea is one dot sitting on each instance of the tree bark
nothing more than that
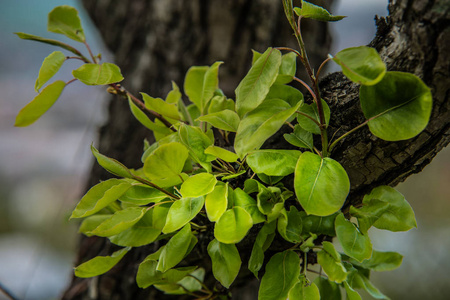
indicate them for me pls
(156, 41)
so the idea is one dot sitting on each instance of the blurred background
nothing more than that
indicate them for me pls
(44, 166)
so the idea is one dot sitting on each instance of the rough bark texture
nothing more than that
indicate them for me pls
(156, 41)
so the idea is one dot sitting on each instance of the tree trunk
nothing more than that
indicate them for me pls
(156, 41)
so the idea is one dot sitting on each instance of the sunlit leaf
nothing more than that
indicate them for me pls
(369, 213)
(141, 194)
(119, 221)
(330, 260)
(354, 243)
(398, 107)
(226, 120)
(198, 185)
(196, 142)
(216, 202)
(64, 19)
(100, 264)
(273, 162)
(222, 153)
(233, 225)
(242, 199)
(304, 291)
(49, 68)
(181, 212)
(144, 120)
(321, 184)
(287, 68)
(40, 104)
(312, 11)
(94, 74)
(111, 165)
(162, 107)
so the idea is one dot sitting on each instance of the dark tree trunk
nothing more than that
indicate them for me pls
(156, 41)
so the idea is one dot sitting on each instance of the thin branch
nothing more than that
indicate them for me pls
(307, 87)
(142, 180)
(289, 49)
(321, 66)
(309, 117)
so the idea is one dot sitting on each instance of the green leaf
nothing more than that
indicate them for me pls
(49, 68)
(141, 194)
(216, 202)
(263, 240)
(226, 120)
(398, 107)
(220, 103)
(196, 142)
(144, 120)
(146, 230)
(286, 93)
(260, 124)
(252, 90)
(100, 196)
(399, 216)
(290, 225)
(26, 36)
(281, 275)
(198, 185)
(315, 12)
(319, 225)
(321, 184)
(94, 74)
(226, 262)
(351, 293)
(300, 138)
(176, 249)
(287, 69)
(148, 275)
(210, 84)
(233, 225)
(362, 65)
(382, 261)
(328, 289)
(361, 281)
(304, 291)
(40, 104)
(100, 264)
(119, 221)
(311, 110)
(90, 223)
(64, 20)
(169, 110)
(270, 202)
(354, 243)
(166, 163)
(222, 153)
(174, 96)
(308, 243)
(181, 212)
(242, 199)
(273, 162)
(330, 260)
(111, 165)
(369, 213)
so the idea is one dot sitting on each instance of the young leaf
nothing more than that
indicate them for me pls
(226, 120)
(233, 226)
(26, 36)
(145, 231)
(174, 96)
(273, 162)
(198, 185)
(242, 199)
(169, 110)
(111, 165)
(220, 103)
(362, 64)
(144, 120)
(119, 221)
(94, 74)
(303, 291)
(263, 240)
(100, 196)
(181, 212)
(196, 142)
(400, 101)
(193, 84)
(399, 216)
(300, 138)
(222, 153)
(64, 20)
(315, 12)
(270, 202)
(216, 202)
(100, 264)
(281, 275)
(175, 249)
(260, 124)
(290, 225)
(252, 90)
(287, 69)
(354, 243)
(210, 84)
(141, 194)
(321, 184)
(226, 261)
(330, 260)
(166, 163)
(40, 104)
(311, 110)
(49, 68)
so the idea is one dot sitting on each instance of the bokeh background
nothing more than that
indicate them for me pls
(43, 167)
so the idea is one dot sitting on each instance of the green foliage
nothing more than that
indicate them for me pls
(210, 174)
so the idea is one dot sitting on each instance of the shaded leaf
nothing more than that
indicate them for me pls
(290, 225)
(312, 111)
(100, 264)
(330, 260)
(222, 153)
(354, 243)
(226, 120)
(176, 249)
(300, 138)
(64, 20)
(111, 165)
(226, 261)
(263, 240)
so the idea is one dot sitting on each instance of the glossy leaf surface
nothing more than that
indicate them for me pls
(198, 185)
(216, 202)
(233, 225)
(119, 221)
(321, 184)
(141, 194)
(273, 162)
(40, 104)
(398, 107)
(181, 212)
